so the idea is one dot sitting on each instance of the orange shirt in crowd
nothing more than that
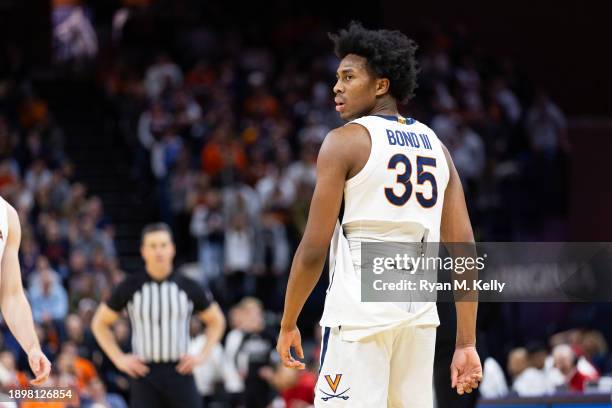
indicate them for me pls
(84, 371)
(214, 157)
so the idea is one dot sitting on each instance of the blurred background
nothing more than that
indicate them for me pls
(209, 116)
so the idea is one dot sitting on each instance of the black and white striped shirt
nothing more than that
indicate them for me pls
(159, 313)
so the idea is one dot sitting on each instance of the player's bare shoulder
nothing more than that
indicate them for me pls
(449, 162)
(350, 144)
(12, 224)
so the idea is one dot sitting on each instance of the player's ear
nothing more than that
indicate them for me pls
(382, 86)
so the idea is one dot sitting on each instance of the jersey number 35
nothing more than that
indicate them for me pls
(404, 179)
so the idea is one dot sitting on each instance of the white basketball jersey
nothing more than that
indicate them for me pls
(397, 196)
(3, 225)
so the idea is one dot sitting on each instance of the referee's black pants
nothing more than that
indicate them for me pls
(164, 387)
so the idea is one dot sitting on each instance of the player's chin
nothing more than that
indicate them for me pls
(347, 116)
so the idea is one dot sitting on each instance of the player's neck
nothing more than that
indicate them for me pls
(385, 106)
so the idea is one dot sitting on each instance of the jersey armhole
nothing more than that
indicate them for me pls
(367, 167)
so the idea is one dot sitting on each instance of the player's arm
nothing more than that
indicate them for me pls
(455, 227)
(333, 165)
(101, 327)
(14, 304)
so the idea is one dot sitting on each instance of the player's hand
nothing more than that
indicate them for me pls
(188, 362)
(132, 365)
(288, 338)
(466, 370)
(40, 365)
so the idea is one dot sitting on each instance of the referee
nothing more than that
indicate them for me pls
(160, 304)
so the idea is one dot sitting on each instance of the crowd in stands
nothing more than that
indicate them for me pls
(572, 361)
(67, 255)
(225, 134)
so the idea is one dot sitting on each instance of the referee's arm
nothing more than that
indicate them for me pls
(214, 320)
(101, 326)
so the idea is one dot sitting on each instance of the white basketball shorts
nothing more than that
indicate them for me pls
(392, 369)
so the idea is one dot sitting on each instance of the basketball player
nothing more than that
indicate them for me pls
(396, 182)
(14, 304)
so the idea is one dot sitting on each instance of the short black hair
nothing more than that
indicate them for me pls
(389, 54)
(155, 227)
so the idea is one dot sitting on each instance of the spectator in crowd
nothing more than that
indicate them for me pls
(48, 297)
(89, 237)
(241, 199)
(273, 259)
(28, 256)
(116, 381)
(222, 156)
(55, 247)
(74, 37)
(297, 387)
(210, 375)
(59, 191)
(546, 127)
(250, 347)
(566, 360)
(78, 370)
(74, 332)
(595, 349)
(527, 380)
(208, 225)
(77, 199)
(501, 93)
(275, 190)
(99, 398)
(239, 253)
(161, 76)
(493, 383)
(38, 176)
(90, 285)
(9, 376)
(467, 149)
